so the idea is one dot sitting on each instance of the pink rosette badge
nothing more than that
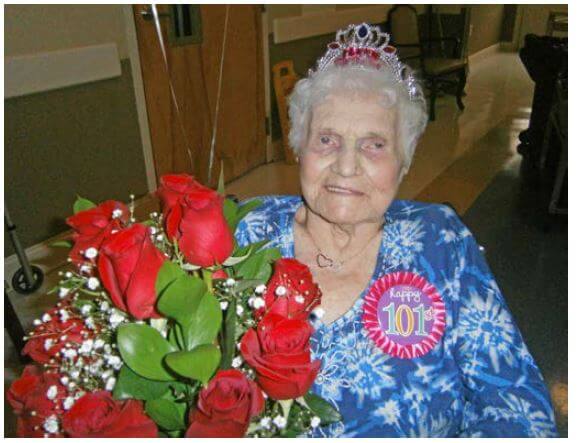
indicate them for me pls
(404, 315)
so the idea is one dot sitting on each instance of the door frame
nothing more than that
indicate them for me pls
(140, 100)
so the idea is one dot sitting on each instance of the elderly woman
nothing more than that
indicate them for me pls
(416, 339)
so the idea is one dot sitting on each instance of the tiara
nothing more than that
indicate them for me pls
(365, 45)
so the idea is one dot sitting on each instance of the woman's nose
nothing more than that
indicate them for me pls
(347, 163)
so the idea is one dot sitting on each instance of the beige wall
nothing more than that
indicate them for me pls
(30, 29)
(535, 19)
(486, 23)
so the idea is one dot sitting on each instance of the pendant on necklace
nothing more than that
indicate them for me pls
(323, 261)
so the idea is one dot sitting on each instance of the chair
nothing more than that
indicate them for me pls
(284, 79)
(402, 23)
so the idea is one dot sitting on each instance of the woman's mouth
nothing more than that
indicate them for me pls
(343, 190)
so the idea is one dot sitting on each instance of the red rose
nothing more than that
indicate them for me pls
(197, 222)
(29, 397)
(280, 354)
(220, 274)
(175, 186)
(226, 406)
(94, 225)
(128, 266)
(97, 415)
(301, 294)
(45, 342)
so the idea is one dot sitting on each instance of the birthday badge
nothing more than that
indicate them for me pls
(404, 315)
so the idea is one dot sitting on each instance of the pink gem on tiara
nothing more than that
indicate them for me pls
(365, 45)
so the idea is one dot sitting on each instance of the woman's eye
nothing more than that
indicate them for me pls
(325, 140)
(375, 145)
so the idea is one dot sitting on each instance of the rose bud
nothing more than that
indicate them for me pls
(35, 397)
(197, 222)
(128, 266)
(280, 354)
(92, 226)
(173, 187)
(291, 291)
(225, 407)
(97, 414)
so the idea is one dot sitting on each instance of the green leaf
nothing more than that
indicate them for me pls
(168, 273)
(175, 337)
(169, 415)
(181, 297)
(62, 244)
(241, 285)
(227, 338)
(230, 210)
(258, 266)
(324, 410)
(203, 326)
(82, 204)
(131, 385)
(198, 364)
(220, 188)
(143, 349)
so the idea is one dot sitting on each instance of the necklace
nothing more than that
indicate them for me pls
(324, 261)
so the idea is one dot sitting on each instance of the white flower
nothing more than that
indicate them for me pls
(239, 310)
(266, 422)
(236, 362)
(63, 292)
(90, 323)
(116, 213)
(99, 343)
(315, 421)
(252, 301)
(318, 312)
(69, 353)
(75, 373)
(259, 302)
(104, 306)
(86, 347)
(160, 237)
(299, 299)
(153, 230)
(230, 282)
(281, 291)
(93, 283)
(260, 289)
(68, 403)
(85, 269)
(107, 374)
(280, 421)
(36, 322)
(46, 317)
(110, 384)
(115, 361)
(85, 309)
(52, 392)
(91, 253)
(64, 380)
(68, 274)
(224, 305)
(64, 315)
(51, 424)
(115, 319)
(48, 343)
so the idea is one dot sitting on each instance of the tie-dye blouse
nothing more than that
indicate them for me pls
(478, 379)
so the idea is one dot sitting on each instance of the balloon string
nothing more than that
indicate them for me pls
(218, 95)
(172, 90)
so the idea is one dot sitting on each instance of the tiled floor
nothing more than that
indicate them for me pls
(460, 160)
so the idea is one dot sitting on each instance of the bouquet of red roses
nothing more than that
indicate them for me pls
(168, 328)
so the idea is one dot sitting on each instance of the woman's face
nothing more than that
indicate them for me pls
(350, 167)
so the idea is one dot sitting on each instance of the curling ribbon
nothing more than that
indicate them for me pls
(173, 93)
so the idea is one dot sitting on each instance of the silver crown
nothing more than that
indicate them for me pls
(365, 45)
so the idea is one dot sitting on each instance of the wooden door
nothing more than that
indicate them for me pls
(194, 70)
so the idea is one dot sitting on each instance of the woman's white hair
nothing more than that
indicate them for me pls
(412, 117)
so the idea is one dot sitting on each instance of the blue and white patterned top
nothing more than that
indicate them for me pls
(480, 380)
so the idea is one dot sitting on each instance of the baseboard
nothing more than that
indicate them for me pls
(50, 258)
(484, 53)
